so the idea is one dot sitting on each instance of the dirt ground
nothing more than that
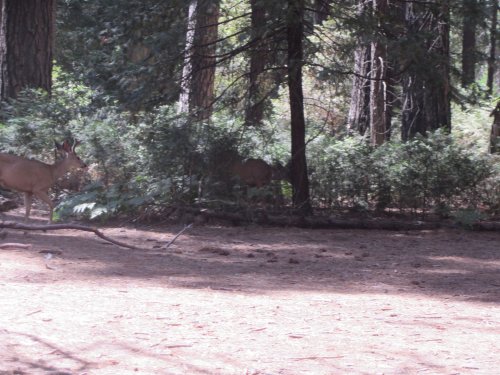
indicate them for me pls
(250, 300)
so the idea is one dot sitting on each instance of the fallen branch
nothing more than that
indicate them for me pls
(177, 235)
(9, 245)
(20, 226)
(486, 226)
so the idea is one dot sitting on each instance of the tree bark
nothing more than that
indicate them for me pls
(4, 78)
(441, 95)
(378, 84)
(295, 34)
(470, 19)
(203, 60)
(493, 43)
(26, 45)
(495, 130)
(187, 67)
(258, 60)
(412, 118)
(426, 92)
(359, 115)
(358, 119)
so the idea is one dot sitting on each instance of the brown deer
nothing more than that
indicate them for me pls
(257, 173)
(32, 177)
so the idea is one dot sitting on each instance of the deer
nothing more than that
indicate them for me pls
(35, 178)
(257, 173)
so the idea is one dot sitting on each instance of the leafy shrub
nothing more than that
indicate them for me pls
(467, 217)
(158, 158)
(433, 171)
(424, 173)
(341, 172)
(488, 190)
(98, 202)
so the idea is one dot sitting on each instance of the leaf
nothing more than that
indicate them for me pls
(97, 212)
(81, 208)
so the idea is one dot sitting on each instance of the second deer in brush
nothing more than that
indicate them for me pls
(257, 173)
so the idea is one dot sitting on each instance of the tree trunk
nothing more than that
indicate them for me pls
(391, 98)
(203, 59)
(440, 95)
(495, 130)
(470, 19)
(378, 84)
(378, 119)
(359, 111)
(395, 61)
(426, 92)
(188, 51)
(358, 119)
(3, 52)
(258, 60)
(321, 10)
(413, 121)
(26, 45)
(295, 34)
(493, 44)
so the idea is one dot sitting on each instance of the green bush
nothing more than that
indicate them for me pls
(153, 159)
(432, 172)
(341, 173)
(424, 173)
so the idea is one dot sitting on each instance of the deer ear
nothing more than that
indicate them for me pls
(66, 146)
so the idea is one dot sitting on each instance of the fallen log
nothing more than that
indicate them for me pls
(486, 226)
(317, 222)
(331, 222)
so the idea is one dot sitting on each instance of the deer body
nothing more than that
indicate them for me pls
(256, 172)
(33, 177)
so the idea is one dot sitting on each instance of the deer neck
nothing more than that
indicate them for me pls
(60, 167)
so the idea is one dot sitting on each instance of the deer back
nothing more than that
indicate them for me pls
(253, 172)
(23, 174)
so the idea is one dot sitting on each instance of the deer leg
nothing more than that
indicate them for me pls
(28, 198)
(44, 197)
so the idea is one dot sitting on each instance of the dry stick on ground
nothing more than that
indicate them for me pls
(177, 235)
(19, 226)
(15, 225)
(16, 245)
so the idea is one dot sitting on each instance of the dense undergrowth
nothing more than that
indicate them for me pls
(146, 161)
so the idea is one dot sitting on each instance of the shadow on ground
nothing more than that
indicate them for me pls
(451, 263)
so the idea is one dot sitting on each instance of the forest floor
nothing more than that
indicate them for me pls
(250, 300)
